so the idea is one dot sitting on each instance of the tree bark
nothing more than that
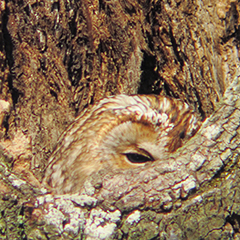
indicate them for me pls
(59, 57)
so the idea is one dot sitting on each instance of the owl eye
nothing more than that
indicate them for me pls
(137, 158)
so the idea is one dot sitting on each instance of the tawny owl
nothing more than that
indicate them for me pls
(118, 132)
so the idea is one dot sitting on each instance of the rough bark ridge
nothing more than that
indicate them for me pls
(58, 57)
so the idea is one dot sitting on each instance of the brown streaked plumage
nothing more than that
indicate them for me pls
(118, 132)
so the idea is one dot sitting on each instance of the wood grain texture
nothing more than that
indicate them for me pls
(59, 57)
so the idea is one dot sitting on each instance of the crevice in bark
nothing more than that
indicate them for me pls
(234, 220)
(175, 48)
(148, 76)
(7, 40)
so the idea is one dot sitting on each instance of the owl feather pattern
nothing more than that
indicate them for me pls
(119, 132)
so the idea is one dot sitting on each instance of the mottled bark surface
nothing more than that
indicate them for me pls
(59, 57)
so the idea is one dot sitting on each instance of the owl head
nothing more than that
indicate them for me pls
(119, 132)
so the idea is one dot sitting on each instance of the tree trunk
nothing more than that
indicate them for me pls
(59, 57)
